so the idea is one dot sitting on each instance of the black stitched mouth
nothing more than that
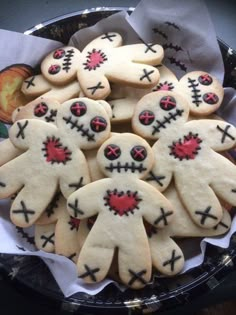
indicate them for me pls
(126, 167)
(52, 116)
(167, 120)
(195, 92)
(67, 60)
(80, 128)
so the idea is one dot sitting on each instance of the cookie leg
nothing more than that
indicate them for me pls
(95, 86)
(201, 203)
(167, 257)
(44, 236)
(95, 257)
(137, 75)
(135, 265)
(31, 201)
(8, 151)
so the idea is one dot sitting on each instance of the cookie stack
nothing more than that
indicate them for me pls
(114, 174)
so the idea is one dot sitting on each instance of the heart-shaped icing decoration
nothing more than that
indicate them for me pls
(55, 152)
(187, 148)
(122, 202)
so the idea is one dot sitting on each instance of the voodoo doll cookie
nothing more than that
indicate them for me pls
(121, 202)
(56, 228)
(38, 86)
(123, 99)
(163, 241)
(104, 60)
(45, 110)
(52, 155)
(203, 92)
(186, 151)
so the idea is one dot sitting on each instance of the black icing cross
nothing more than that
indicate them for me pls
(53, 114)
(76, 208)
(30, 82)
(96, 87)
(163, 217)
(26, 212)
(108, 36)
(77, 185)
(225, 133)
(146, 75)
(155, 178)
(149, 47)
(172, 261)
(205, 214)
(21, 129)
(2, 184)
(89, 272)
(221, 223)
(137, 276)
(48, 239)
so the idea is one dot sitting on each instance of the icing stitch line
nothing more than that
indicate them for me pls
(195, 92)
(67, 60)
(178, 63)
(171, 46)
(118, 167)
(80, 128)
(172, 25)
(167, 120)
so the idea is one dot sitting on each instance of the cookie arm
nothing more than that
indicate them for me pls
(219, 135)
(108, 40)
(150, 54)
(161, 173)
(157, 210)
(27, 131)
(84, 202)
(74, 177)
(8, 151)
(35, 86)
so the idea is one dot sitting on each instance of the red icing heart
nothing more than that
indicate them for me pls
(122, 202)
(55, 152)
(187, 148)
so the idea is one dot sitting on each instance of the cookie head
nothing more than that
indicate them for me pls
(41, 108)
(125, 154)
(203, 92)
(60, 66)
(84, 120)
(157, 112)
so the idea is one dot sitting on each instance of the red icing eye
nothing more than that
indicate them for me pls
(78, 109)
(41, 109)
(112, 152)
(54, 69)
(59, 53)
(167, 103)
(146, 117)
(138, 153)
(205, 79)
(98, 124)
(210, 98)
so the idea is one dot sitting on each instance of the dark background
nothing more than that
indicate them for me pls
(22, 15)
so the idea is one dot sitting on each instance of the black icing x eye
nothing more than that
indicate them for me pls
(146, 117)
(78, 109)
(205, 79)
(54, 69)
(98, 124)
(59, 53)
(210, 98)
(168, 102)
(112, 152)
(138, 153)
(40, 109)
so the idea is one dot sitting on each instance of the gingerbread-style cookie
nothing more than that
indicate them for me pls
(45, 109)
(104, 60)
(203, 92)
(52, 155)
(64, 236)
(121, 202)
(186, 151)
(171, 261)
(123, 99)
(38, 86)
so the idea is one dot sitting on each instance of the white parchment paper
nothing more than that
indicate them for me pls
(188, 37)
